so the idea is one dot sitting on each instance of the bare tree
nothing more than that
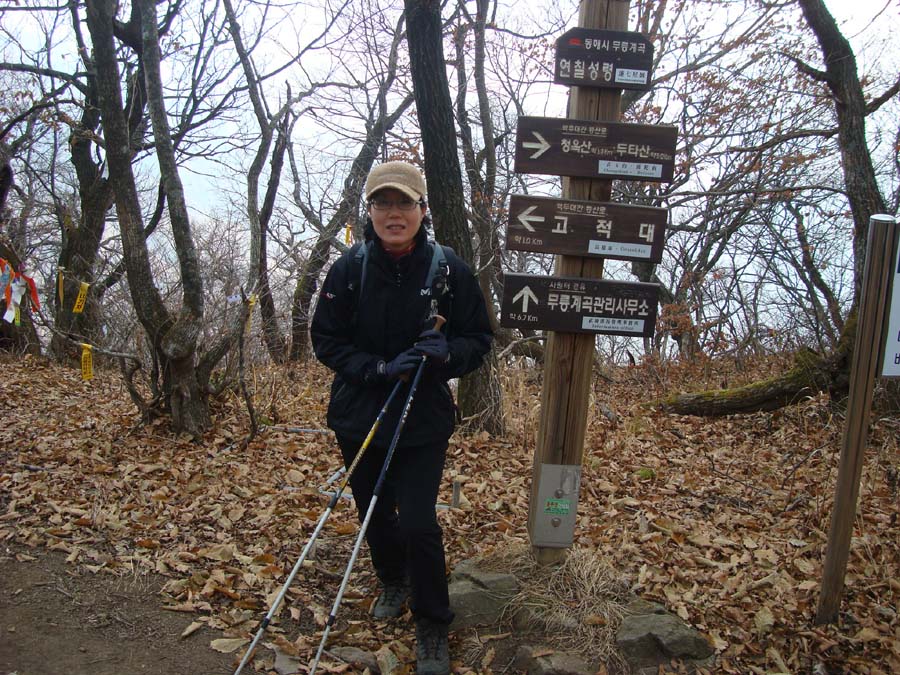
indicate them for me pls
(480, 398)
(173, 333)
(841, 83)
(376, 75)
(269, 123)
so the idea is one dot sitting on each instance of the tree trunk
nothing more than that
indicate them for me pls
(173, 337)
(435, 112)
(81, 240)
(187, 400)
(479, 393)
(274, 342)
(812, 373)
(842, 79)
(303, 294)
(830, 372)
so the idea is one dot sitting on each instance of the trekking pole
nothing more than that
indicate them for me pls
(334, 500)
(376, 492)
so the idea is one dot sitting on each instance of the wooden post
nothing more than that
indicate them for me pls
(569, 357)
(865, 365)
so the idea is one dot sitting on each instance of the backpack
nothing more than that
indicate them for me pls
(437, 281)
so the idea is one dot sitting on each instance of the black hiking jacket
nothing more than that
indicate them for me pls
(351, 337)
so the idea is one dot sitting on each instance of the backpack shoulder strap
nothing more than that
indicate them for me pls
(357, 278)
(437, 282)
(358, 259)
(438, 278)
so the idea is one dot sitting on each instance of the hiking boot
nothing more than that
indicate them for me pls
(432, 650)
(390, 603)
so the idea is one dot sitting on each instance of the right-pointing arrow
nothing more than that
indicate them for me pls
(542, 146)
(526, 218)
(525, 295)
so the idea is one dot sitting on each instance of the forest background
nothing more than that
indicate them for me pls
(192, 164)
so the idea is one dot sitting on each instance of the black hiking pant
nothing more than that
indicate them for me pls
(404, 537)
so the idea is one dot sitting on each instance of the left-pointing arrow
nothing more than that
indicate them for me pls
(542, 146)
(525, 295)
(526, 218)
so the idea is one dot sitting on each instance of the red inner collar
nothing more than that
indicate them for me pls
(396, 255)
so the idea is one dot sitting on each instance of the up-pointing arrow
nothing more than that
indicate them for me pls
(525, 295)
(526, 218)
(542, 146)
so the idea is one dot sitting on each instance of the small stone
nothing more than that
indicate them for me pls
(357, 657)
(479, 597)
(657, 638)
(539, 660)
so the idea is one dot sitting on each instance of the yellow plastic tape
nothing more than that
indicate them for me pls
(250, 315)
(18, 319)
(87, 362)
(82, 296)
(61, 286)
(348, 234)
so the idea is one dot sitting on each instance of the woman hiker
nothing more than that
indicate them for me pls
(373, 325)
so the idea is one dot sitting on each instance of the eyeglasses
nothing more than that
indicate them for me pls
(405, 204)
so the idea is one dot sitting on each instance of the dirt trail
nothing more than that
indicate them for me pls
(57, 619)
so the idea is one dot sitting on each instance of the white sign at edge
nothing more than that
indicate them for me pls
(891, 366)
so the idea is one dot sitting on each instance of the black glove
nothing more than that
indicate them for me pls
(400, 365)
(433, 344)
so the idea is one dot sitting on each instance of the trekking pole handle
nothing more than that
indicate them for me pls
(438, 322)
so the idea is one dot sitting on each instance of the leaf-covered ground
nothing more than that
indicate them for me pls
(723, 521)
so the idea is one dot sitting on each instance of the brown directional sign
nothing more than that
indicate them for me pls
(591, 229)
(603, 58)
(573, 305)
(567, 147)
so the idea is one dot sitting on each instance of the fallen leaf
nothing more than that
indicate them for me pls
(193, 628)
(867, 634)
(228, 645)
(764, 621)
(222, 552)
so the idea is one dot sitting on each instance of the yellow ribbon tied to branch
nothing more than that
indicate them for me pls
(82, 297)
(250, 315)
(87, 362)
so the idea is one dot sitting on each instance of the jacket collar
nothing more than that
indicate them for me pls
(381, 255)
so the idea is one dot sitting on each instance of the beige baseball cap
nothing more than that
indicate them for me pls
(398, 175)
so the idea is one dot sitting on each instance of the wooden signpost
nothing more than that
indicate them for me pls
(603, 58)
(891, 358)
(593, 149)
(574, 227)
(864, 368)
(577, 305)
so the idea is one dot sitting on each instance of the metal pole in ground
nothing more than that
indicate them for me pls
(368, 517)
(306, 549)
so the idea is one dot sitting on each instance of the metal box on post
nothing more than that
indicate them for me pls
(554, 519)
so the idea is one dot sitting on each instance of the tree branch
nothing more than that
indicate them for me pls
(876, 103)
